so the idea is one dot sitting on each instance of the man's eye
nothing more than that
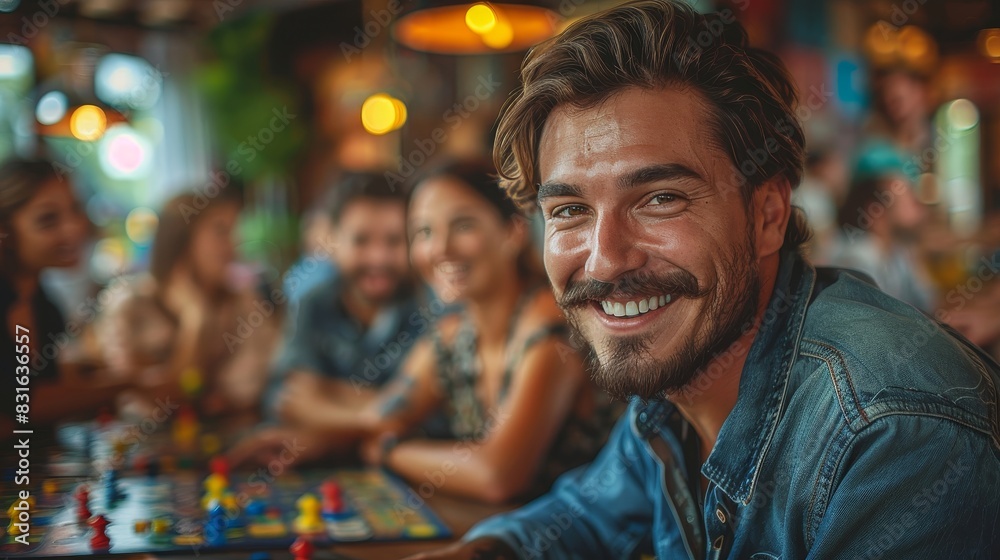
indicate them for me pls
(569, 211)
(663, 198)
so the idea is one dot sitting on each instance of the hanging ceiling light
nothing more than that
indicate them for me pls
(477, 28)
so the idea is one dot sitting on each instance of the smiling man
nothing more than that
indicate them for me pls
(779, 411)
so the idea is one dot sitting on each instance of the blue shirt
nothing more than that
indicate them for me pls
(324, 339)
(863, 429)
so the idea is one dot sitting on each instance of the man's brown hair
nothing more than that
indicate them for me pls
(653, 44)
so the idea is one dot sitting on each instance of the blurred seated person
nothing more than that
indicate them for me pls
(186, 329)
(879, 227)
(520, 405)
(315, 265)
(350, 334)
(41, 227)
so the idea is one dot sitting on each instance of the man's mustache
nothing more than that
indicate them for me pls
(677, 283)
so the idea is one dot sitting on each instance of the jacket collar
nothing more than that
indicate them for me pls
(743, 441)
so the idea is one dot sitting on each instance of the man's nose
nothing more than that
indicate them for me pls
(613, 250)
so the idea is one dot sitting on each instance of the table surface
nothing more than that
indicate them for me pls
(458, 514)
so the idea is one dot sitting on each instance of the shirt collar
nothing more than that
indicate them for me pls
(735, 461)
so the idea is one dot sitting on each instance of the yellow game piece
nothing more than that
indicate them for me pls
(421, 530)
(309, 520)
(189, 540)
(215, 489)
(210, 444)
(119, 446)
(161, 525)
(13, 513)
(190, 381)
(231, 505)
(50, 487)
(142, 526)
(185, 432)
(266, 530)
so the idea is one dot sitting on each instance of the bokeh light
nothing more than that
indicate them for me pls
(381, 113)
(481, 18)
(127, 81)
(9, 5)
(124, 153)
(51, 107)
(15, 61)
(989, 44)
(110, 258)
(140, 225)
(88, 122)
(962, 115)
(501, 36)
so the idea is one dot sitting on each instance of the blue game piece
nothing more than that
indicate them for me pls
(112, 492)
(215, 527)
(255, 508)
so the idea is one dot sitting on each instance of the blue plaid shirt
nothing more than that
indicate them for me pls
(324, 339)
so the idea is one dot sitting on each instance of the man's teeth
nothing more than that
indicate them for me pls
(633, 308)
(452, 268)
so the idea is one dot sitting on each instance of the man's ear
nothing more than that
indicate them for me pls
(772, 204)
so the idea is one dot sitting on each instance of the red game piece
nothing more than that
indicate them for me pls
(332, 502)
(219, 465)
(99, 541)
(301, 549)
(82, 496)
(104, 417)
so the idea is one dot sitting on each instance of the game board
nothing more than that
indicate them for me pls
(168, 512)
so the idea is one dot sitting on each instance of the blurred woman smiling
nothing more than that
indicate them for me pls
(518, 401)
(41, 227)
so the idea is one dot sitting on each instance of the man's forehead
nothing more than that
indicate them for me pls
(650, 126)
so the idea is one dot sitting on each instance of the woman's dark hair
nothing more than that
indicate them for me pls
(480, 176)
(864, 199)
(20, 179)
(177, 220)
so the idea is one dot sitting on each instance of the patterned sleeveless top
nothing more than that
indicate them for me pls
(576, 443)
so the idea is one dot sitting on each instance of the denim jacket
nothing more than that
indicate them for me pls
(863, 429)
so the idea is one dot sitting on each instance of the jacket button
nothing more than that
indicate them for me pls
(717, 543)
(721, 515)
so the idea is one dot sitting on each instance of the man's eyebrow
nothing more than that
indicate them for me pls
(641, 176)
(551, 189)
(658, 172)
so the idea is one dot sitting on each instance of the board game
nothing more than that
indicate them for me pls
(102, 502)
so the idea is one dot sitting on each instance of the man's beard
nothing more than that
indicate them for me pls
(352, 280)
(627, 368)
